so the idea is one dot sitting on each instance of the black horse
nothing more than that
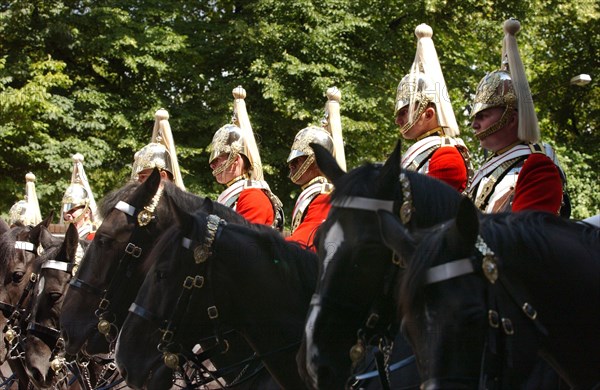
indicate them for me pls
(44, 357)
(484, 296)
(115, 264)
(208, 275)
(19, 247)
(354, 302)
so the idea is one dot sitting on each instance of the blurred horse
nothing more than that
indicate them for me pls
(208, 275)
(484, 296)
(353, 306)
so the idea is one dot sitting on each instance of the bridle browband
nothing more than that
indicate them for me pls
(497, 306)
(138, 239)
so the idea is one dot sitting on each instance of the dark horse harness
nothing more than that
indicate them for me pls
(171, 349)
(500, 307)
(373, 332)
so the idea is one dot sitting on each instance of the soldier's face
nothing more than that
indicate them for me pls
(75, 216)
(229, 173)
(501, 138)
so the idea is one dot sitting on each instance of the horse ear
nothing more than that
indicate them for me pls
(148, 188)
(394, 235)
(183, 218)
(327, 163)
(68, 249)
(390, 171)
(467, 221)
(41, 236)
(3, 227)
(48, 220)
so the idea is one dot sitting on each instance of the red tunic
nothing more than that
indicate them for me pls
(539, 186)
(315, 214)
(254, 205)
(447, 165)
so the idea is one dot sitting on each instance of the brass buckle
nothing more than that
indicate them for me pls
(133, 250)
(213, 312)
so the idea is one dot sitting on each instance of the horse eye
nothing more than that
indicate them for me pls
(17, 277)
(55, 296)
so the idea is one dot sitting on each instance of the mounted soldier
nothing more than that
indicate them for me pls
(159, 153)
(312, 205)
(519, 175)
(78, 204)
(235, 162)
(423, 112)
(26, 211)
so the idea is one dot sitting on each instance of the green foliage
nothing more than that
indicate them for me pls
(87, 76)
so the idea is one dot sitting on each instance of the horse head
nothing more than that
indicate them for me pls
(484, 295)
(96, 302)
(353, 305)
(42, 348)
(19, 247)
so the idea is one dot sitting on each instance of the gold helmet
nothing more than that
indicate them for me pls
(301, 147)
(79, 193)
(26, 211)
(160, 152)
(237, 138)
(425, 85)
(508, 88)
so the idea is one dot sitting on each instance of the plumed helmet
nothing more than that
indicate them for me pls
(424, 85)
(75, 196)
(306, 136)
(508, 88)
(79, 192)
(160, 152)
(228, 139)
(26, 211)
(237, 138)
(153, 155)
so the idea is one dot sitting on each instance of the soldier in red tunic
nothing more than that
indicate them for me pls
(78, 204)
(235, 162)
(518, 175)
(424, 113)
(312, 205)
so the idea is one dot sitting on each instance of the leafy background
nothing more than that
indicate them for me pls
(87, 76)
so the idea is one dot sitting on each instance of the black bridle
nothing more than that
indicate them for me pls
(121, 271)
(502, 297)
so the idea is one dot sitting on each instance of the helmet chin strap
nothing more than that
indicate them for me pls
(221, 168)
(415, 117)
(303, 168)
(496, 126)
(80, 216)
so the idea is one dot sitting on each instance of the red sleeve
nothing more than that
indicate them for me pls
(315, 215)
(447, 164)
(254, 205)
(538, 186)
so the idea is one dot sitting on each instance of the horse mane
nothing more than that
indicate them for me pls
(357, 182)
(530, 234)
(430, 196)
(183, 199)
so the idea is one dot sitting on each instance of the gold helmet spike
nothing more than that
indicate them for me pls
(425, 84)
(333, 123)
(79, 192)
(508, 88)
(241, 119)
(27, 211)
(160, 152)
